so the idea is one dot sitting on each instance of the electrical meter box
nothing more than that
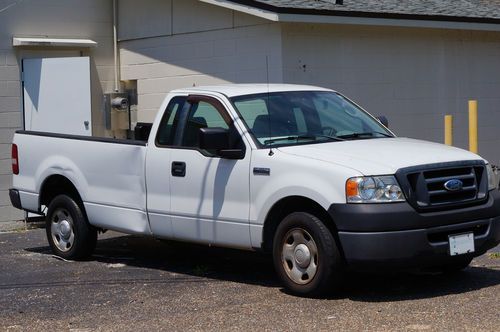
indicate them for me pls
(117, 111)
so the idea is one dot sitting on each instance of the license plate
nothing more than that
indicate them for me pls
(461, 244)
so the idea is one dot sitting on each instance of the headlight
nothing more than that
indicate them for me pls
(373, 189)
(492, 178)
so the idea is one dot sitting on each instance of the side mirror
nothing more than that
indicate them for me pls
(214, 139)
(383, 120)
(218, 139)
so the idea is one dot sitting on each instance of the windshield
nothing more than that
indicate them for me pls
(289, 118)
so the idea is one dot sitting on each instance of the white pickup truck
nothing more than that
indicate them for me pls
(298, 171)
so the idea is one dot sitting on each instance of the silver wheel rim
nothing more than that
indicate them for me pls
(299, 256)
(61, 229)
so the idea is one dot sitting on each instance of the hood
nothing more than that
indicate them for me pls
(381, 155)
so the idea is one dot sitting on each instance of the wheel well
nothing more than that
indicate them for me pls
(56, 185)
(288, 205)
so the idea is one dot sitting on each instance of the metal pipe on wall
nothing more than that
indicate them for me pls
(115, 47)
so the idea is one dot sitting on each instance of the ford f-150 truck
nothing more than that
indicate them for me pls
(298, 171)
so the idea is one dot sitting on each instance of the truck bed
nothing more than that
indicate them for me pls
(109, 175)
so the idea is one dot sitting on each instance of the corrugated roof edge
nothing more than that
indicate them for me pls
(362, 14)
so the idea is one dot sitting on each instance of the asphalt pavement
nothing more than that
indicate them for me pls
(134, 283)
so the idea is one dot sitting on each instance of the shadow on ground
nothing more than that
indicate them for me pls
(257, 269)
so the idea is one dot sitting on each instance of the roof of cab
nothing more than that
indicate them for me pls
(233, 90)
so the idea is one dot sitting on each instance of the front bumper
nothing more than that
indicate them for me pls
(396, 235)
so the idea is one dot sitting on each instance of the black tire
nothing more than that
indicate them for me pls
(69, 234)
(455, 266)
(291, 232)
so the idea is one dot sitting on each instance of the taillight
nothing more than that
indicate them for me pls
(15, 160)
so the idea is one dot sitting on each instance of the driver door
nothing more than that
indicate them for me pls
(209, 195)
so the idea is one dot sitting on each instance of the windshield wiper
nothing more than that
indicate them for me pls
(369, 134)
(333, 138)
(302, 137)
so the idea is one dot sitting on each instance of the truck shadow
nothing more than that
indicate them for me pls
(188, 259)
(391, 287)
(257, 269)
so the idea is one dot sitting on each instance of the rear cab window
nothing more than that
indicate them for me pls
(168, 125)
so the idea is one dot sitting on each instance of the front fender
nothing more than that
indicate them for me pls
(290, 175)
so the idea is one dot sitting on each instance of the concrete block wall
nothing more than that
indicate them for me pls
(199, 44)
(413, 76)
(10, 120)
(49, 18)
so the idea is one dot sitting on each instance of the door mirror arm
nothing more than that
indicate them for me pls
(232, 153)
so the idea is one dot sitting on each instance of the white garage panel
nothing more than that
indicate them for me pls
(57, 95)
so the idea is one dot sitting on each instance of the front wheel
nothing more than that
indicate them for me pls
(69, 234)
(306, 255)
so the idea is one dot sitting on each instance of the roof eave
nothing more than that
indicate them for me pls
(296, 15)
(394, 22)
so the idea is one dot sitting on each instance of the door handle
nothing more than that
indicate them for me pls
(179, 168)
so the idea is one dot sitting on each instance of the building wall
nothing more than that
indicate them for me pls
(187, 42)
(413, 76)
(49, 18)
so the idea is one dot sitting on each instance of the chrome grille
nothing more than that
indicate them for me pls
(435, 181)
(425, 188)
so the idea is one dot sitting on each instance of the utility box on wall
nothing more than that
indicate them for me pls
(117, 114)
(120, 111)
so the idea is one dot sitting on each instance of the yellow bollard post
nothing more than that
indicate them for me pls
(473, 126)
(448, 129)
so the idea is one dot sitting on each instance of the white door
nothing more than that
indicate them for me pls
(209, 196)
(57, 95)
(158, 170)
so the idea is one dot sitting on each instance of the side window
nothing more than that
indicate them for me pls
(201, 115)
(168, 124)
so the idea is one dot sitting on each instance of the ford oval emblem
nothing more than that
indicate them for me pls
(453, 185)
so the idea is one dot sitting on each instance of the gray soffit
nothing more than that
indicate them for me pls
(478, 11)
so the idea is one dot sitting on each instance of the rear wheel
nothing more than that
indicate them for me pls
(69, 234)
(306, 255)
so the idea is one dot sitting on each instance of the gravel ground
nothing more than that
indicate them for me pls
(134, 283)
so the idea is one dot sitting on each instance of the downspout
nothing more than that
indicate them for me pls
(115, 47)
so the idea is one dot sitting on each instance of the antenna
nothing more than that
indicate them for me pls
(268, 106)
